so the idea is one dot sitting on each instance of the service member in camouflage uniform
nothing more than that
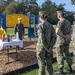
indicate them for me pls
(46, 41)
(63, 32)
(73, 38)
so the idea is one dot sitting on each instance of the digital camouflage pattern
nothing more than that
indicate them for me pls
(62, 46)
(46, 39)
(73, 39)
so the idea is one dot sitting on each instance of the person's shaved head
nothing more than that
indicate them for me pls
(60, 14)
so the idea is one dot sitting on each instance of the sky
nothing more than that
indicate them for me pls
(68, 5)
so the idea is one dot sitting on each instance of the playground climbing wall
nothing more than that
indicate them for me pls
(12, 19)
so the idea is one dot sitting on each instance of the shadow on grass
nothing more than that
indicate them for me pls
(67, 73)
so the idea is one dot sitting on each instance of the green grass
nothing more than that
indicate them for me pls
(55, 67)
(30, 72)
(10, 31)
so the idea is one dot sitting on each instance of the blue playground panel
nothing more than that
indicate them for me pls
(31, 30)
(3, 21)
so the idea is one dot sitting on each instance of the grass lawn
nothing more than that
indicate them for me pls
(10, 31)
(55, 67)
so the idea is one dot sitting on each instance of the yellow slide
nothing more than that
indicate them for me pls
(2, 31)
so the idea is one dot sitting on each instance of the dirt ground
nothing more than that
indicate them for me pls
(26, 56)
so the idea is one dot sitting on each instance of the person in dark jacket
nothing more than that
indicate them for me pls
(19, 28)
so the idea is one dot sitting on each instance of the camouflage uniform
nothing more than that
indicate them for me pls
(73, 38)
(62, 46)
(46, 39)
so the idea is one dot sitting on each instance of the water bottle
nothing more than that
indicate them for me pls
(10, 37)
(17, 36)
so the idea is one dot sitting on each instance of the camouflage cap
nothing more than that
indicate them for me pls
(41, 13)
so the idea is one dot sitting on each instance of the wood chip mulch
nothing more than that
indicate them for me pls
(26, 56)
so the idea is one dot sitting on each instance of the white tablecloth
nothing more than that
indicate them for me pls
(11, 43)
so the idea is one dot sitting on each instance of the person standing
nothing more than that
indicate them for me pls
(46, 41)
(73, 38)
(63, 31)
(19, 28)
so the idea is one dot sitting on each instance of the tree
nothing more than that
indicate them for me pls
(19, 6)
(33, 7)
(24, 6)
(9, 1)
(2, 1)
(69, 16)
(61, 7)
(73, 2)
(51, 10)
(2, 5)
(10, 8)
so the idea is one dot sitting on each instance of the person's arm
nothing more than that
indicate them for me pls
(15, 29)
(58, 30)
(68, 36)
(73, 31)
(41, 36)
(23, 29)
(53, 38)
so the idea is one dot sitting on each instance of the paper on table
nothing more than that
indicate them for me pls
(1, 45)
(12, 43)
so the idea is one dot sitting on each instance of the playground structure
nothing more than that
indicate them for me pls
(2, 24)
(2, 31)
(30, 22)
(32, 29)
(11, 20)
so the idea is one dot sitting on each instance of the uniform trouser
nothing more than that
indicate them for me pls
(74, 51)
(61, 50)
(44, 58)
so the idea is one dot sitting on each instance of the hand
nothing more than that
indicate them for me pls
(68, 37)
(49, 50)
(64, 37)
